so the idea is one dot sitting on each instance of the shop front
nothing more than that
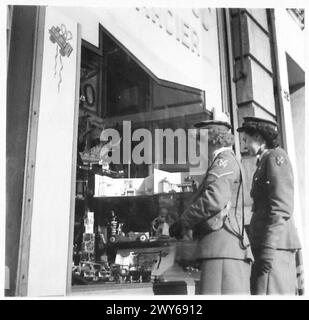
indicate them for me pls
(110, 157)
(118, 90)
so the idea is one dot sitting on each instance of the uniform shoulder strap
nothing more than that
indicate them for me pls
(241, 185)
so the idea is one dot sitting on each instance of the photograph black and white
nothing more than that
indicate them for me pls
(155, 148)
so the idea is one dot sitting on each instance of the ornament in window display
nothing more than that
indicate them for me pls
(119, 273)
(130, 274)
(102, 235)
(89, 222)
(81, 188)
(92, 271)
(160, 226)
(92, 155)
(99, 153)
(189, 185)
(129, 237)
(113, 224)
(139, 274)
(166, 185)
(105, 166)
(138, 271)
(116, 234)
(129, 190)
(88, 246)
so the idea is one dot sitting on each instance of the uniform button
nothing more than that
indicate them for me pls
(268, 182)
(255, 179)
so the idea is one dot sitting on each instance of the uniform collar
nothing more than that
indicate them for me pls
(218, 151)
(260, 155)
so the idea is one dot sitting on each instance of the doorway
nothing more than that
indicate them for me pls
(296, 78)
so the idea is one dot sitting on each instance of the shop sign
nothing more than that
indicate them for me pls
(179, 45)
(176, 44)
(175, 26)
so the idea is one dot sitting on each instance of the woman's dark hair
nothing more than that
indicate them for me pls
(221, 137)
(270, 136)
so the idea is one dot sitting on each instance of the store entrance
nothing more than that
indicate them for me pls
(296, 78)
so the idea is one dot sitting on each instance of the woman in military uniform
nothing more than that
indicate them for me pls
(216, 218)
(272, 233)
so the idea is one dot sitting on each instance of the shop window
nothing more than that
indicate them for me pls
(167, 96)
(123, 210)
(127, 85)
(90, 81)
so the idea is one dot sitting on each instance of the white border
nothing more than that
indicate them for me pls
(125, 3)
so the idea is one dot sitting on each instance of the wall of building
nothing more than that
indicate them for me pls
(291, 42)
(287, 44)
(253, 76)
(54, 181)
(252, 44)
(19, 82)
(298, 118)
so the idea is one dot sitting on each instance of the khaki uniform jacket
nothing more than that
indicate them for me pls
(272, 224)
(220, 185)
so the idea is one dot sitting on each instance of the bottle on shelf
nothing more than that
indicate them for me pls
(113, 225)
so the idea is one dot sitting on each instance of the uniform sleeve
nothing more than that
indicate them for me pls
(214, 197)
(280, 183)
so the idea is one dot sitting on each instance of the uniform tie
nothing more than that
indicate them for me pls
(259, 155)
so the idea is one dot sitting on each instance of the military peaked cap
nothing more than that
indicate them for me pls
(265, 127)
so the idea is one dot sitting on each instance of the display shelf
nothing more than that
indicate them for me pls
(121, 197)
(170, 278)
(109, 289)
(139, 244)
(160, 194)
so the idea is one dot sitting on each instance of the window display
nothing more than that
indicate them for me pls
(123, 209)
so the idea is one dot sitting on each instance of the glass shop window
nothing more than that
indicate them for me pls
(123, 209)
(127, 85)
